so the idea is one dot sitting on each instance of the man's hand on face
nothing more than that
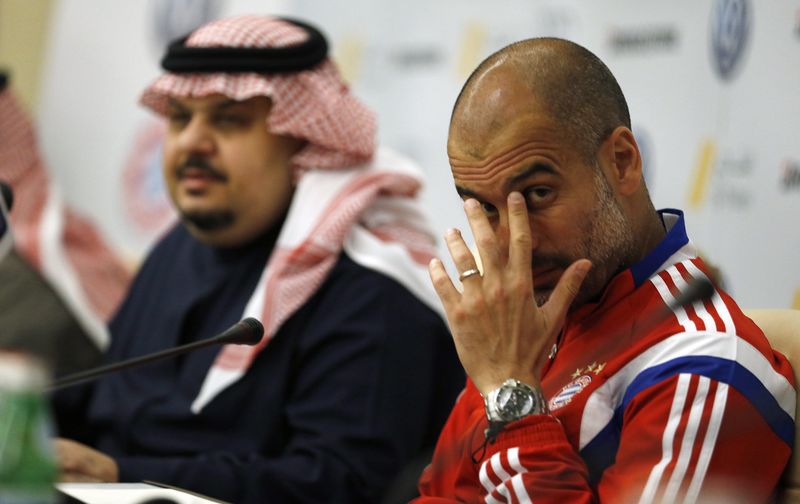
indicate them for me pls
(79, 463)
(498, 329)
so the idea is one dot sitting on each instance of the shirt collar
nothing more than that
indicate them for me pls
(673, 241)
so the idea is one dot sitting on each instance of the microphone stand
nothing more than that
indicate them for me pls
(245, 332)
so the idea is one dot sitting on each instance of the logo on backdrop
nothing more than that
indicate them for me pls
(701, 174)
(790, 175)
(642, 39)
(721, 180)
(732, 184)
(797, 23)
(144, 195)
(419, 57)
(555, 21)
(173, 19)
(478, 40)
(730, 31)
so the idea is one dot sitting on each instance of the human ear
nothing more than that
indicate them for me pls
(625, 160)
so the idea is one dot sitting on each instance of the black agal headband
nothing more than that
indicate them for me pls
(307, 54)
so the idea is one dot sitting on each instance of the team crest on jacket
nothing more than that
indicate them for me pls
(581, 379)
(565, 395)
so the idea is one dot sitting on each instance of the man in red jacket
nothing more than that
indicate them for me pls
(588, 380)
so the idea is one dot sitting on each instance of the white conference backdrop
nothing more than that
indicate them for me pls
(722, 145)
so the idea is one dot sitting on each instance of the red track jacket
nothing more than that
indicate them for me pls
(648, 404)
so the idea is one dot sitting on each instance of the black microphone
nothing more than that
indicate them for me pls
(7, 194)
(245, 332)
(698, 289)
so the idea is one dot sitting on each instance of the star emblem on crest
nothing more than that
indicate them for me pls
(594, 367)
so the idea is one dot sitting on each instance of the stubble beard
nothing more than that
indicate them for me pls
(608, 242)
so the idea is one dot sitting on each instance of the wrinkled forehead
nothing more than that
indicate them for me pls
(525, 144)
(501, 127)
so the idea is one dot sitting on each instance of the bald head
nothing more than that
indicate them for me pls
(560, 78)
(545, 119)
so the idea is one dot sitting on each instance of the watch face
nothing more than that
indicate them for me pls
(514, 402)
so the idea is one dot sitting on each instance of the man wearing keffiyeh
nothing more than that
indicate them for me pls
(292, 215)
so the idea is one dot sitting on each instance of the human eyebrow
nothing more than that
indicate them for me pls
(534, 169)
(466, 193)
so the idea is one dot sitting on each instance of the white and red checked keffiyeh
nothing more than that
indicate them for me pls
(314, 104)
(348, 197)
(63, 246)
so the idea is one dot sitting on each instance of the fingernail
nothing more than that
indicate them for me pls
(452, 233)
(515, 198)
(471, 204)
(433, 262)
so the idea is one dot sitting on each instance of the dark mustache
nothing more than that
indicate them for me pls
(199, 163)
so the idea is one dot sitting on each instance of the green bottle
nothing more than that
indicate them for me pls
(27, 464)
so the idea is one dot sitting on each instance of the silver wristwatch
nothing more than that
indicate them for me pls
(512, 401)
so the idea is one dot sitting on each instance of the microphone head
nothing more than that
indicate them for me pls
(250, 332)
(7, 194)
(699, 289)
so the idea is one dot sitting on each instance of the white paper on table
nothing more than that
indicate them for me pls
(128, 493)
